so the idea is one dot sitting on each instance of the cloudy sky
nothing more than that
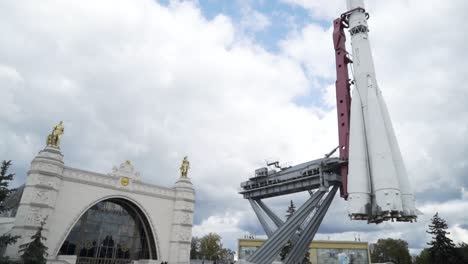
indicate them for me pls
(231, 84)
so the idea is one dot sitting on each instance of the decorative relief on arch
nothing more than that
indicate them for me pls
(184, 253)
(126, 169)
(34, 195)
(183, 217)
(181, 233)
(42, 196)
(35, 216)
(185, 234)
(185, 195)
(184, 205)
(37, 179)
(47, 167)
(114, 182)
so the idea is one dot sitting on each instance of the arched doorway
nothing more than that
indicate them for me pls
(112, 231)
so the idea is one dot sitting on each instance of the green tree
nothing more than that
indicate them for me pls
(211, 247)
(391, 250)
(291, 210)
(35, 252)
(463, 245)
(195, 248)
(287, 248)
(462, 251)
(5, 240)
(307, 258)
(285, 251)
(442, 248)
(227, 255)
(423, 257)
(5, 179)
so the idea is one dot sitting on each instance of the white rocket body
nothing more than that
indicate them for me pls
(378, 184)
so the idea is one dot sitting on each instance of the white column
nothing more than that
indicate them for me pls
(182, 222)
(39, 197)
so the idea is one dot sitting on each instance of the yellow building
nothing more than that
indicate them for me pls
(320, 251)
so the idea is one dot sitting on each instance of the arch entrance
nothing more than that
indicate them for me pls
(112, 231)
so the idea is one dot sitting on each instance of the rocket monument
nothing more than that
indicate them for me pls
(378, 188)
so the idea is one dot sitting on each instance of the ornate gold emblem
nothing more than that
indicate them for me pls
(124, 181)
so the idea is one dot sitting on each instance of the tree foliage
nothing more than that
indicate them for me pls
(211, 247)
(391, 250)
(291, 210)
(227, 255)
(462, 252)
(195, 248)
(5, 179)
(5, 240)
(35, 252)
(307, 258)
(285, 250)
(442, 248)
(423, 257)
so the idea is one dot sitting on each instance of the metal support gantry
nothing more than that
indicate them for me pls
(300, 228)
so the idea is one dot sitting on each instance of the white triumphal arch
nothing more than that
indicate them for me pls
(89, 216)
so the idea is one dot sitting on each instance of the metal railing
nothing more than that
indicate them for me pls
(86, 260)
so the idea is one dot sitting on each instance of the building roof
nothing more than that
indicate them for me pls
(313, 244)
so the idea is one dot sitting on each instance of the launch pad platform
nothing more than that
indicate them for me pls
(302, 177)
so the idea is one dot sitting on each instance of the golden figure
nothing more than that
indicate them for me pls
(184, 167)
(53, 140)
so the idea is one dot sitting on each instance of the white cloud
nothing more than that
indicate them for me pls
(313, 48)
(227, 226)
(321, 9)
(458, 234)
(464, 193)
(214, 223)
(254, 21)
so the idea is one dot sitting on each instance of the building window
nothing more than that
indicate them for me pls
(111, 230)
(340, 256)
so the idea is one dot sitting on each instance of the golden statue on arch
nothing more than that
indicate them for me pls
(184, 167)
(53, 139)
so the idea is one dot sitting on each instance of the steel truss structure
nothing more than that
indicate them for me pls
(322, 175)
